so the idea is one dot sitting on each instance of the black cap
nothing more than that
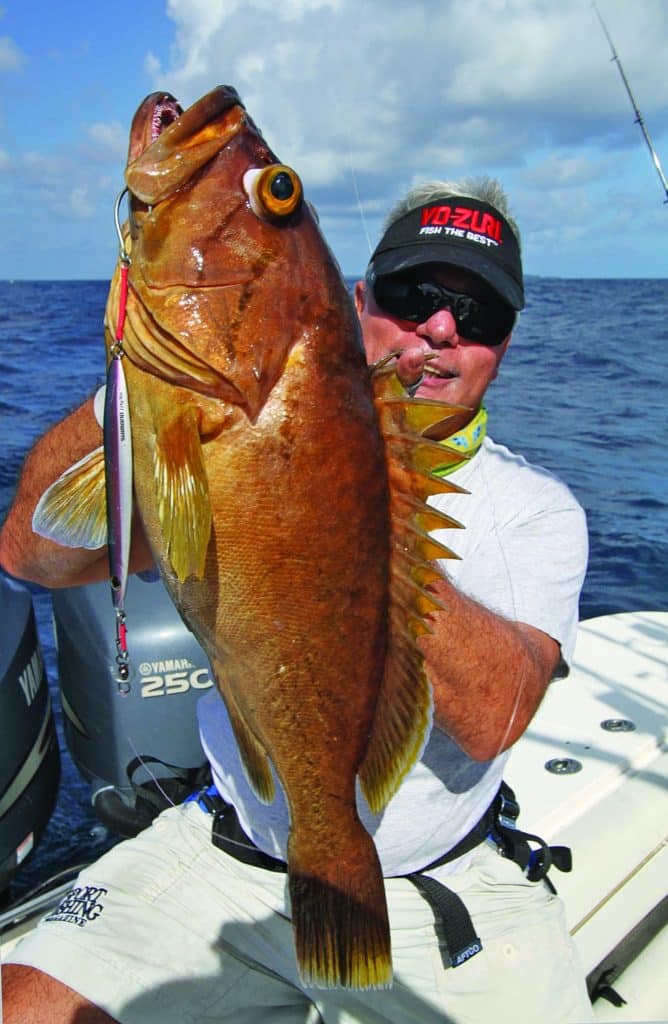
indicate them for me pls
(459, 231)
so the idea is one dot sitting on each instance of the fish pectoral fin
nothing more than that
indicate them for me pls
(72, 511)
(184, 508)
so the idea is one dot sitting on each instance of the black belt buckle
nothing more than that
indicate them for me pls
(508, 810)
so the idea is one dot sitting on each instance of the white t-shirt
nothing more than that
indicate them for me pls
(523, 555)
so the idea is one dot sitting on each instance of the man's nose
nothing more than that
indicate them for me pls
(440, 328)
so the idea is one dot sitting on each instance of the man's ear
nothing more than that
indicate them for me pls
(360, 296)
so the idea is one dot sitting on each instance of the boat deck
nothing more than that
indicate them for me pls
(592, 773)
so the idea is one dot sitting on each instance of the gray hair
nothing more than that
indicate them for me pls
(484, 189)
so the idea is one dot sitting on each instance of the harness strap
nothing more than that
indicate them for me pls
(475, 837)
(227, 835)
(155, 794)
(456, 935)
(497, 823)
(516, 844)
(454, 928)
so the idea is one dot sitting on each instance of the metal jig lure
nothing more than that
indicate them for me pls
(118, 468)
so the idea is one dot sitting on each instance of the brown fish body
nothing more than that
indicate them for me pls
(282, 487)
(283, 500)
(292, 605)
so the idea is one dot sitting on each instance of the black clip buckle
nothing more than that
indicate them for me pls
(508, 811)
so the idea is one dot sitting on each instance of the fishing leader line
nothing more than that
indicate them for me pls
(353, 175)
(522, 681)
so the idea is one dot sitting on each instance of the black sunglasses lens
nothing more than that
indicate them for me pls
(493, 324)
(406, 300)
(484, 323)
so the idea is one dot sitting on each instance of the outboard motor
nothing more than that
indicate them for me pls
(139, 750)
(29, 754)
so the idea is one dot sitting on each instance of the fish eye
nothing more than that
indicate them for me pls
(274, 191)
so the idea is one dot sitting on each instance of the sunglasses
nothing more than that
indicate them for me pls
(487, 323)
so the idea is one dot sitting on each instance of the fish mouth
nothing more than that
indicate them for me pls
(155, 114)
(169, 145)
(166, 111)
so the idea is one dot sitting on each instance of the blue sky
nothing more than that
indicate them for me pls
(364, 99)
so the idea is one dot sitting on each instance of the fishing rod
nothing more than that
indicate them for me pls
(639, 118)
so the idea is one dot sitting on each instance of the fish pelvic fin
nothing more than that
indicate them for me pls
(73, 511)
(254, 760)
(339, 916)
(404, 710)
(184, 508)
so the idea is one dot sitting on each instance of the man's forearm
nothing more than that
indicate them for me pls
(24, 553)
(488, 674)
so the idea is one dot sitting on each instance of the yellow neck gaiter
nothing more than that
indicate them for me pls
(466, 441)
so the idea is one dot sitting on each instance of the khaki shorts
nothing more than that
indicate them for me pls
(166, 929)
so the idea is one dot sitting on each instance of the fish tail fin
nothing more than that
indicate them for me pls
(339, 916)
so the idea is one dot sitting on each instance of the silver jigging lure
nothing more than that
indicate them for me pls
(118, 469)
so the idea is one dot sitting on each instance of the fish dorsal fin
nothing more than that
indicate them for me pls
(404, 710)
(73, 511)
(253, 755)
(183, 505)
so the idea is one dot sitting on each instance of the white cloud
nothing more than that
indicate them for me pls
(77, 202)
(110, 139)
(11, 58)
(366, 97)
(392, 83)
(152, 65)
(60, 184)
(251, 66)
(560, 170)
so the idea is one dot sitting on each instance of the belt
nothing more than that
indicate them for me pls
(455, 931)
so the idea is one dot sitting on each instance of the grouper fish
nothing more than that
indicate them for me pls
(282, 485)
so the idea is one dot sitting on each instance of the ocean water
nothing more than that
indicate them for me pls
(581, 392)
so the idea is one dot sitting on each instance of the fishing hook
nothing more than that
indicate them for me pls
(125, 261)
(124, 256)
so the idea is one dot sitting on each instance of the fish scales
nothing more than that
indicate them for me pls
(281, 486)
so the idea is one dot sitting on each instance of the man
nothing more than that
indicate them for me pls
(186, 932)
